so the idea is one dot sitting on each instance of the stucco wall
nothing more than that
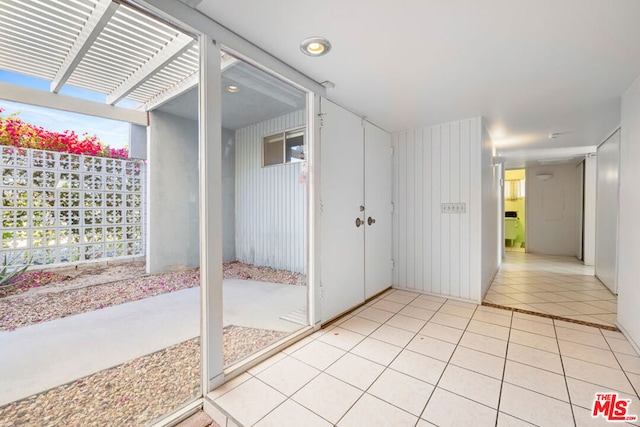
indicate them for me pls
(172, 214)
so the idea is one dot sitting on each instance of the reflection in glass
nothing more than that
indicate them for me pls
(264, 210)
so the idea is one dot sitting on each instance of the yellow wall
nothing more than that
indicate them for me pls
(516, 205)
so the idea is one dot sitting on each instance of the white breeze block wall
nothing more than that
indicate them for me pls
(67, 208)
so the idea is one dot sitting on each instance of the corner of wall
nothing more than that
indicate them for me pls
(491, 216)
(628, 227)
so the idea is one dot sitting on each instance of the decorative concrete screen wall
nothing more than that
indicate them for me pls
(61, 208)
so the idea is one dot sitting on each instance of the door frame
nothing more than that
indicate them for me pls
(212, 36)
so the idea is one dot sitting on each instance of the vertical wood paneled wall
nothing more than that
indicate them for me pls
(436, 252)
(270, 203)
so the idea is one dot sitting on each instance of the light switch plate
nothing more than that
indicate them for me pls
(451, 208)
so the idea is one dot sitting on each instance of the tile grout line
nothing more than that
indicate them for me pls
(637, 391)
(349, 352)
(564, 374)
(388, 366)
(551, 316)
(362, 308)
(435, 386)
(288, 397)
(504, 369)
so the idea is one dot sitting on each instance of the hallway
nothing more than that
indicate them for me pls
(407, 359)
(554, 285)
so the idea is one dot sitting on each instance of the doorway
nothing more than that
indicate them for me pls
(514, 210)
(264, 209)
(550, 279)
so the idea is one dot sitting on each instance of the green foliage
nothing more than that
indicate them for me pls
(9, 272)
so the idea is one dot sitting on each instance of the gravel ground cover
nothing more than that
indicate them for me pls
(134, 393)
(239, 270)
(31, 280)
(40, 296)
(131, 394)
(240, 342)
(34, 306)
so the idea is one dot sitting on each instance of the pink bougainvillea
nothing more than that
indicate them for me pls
(17, 133)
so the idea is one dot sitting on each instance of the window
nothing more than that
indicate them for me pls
(514, 189)
(283, 147)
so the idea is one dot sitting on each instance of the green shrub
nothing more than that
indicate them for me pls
(9, 272)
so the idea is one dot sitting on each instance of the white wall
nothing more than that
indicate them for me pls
(579, 209)
(551, 210)
(173, 229)
(589, 239)
(270, 202)
(607, 209)
(492, 214)
(228, 195)
(435, 252)
(629, 228)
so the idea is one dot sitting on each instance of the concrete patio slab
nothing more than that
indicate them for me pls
(260, 305)
(39, 357)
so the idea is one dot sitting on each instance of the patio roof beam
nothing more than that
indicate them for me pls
(195, 21)
(184, 86)
(41, 98)
(176, 47)
(98, 19)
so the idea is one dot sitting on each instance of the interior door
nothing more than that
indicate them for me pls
(377, 202)
(342, 221)
(607, 210)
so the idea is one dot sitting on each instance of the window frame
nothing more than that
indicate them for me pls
(285, 134)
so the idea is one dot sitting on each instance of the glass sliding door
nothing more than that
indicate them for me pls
(264, 190)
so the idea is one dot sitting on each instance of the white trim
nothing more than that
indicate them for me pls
(609, 135)
(26, 95)
(312, 210)
(98, 19)
(181, 414)
(172, 93)
(183, 86)
(181, 15)
(628, 336)
(210, 161)
(176, 47)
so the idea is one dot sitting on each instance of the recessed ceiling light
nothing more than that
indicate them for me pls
(554, 135)
(315, 46)
(233, 89)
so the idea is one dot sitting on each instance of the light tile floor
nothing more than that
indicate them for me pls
(561, 286)
(451, 364)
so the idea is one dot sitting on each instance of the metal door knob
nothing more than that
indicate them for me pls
(358, 222)
(371, 221)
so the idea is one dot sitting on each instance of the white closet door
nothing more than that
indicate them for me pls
(341, 195)
(377, 202)
(607, 211)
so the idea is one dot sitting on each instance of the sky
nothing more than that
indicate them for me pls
(111, 132)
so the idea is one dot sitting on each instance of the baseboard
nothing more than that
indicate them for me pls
(626, 334)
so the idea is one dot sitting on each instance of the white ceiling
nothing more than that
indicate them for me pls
(531, 67)
(261, 97)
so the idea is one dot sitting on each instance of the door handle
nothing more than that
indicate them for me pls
(359, 222)
(371, 221)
